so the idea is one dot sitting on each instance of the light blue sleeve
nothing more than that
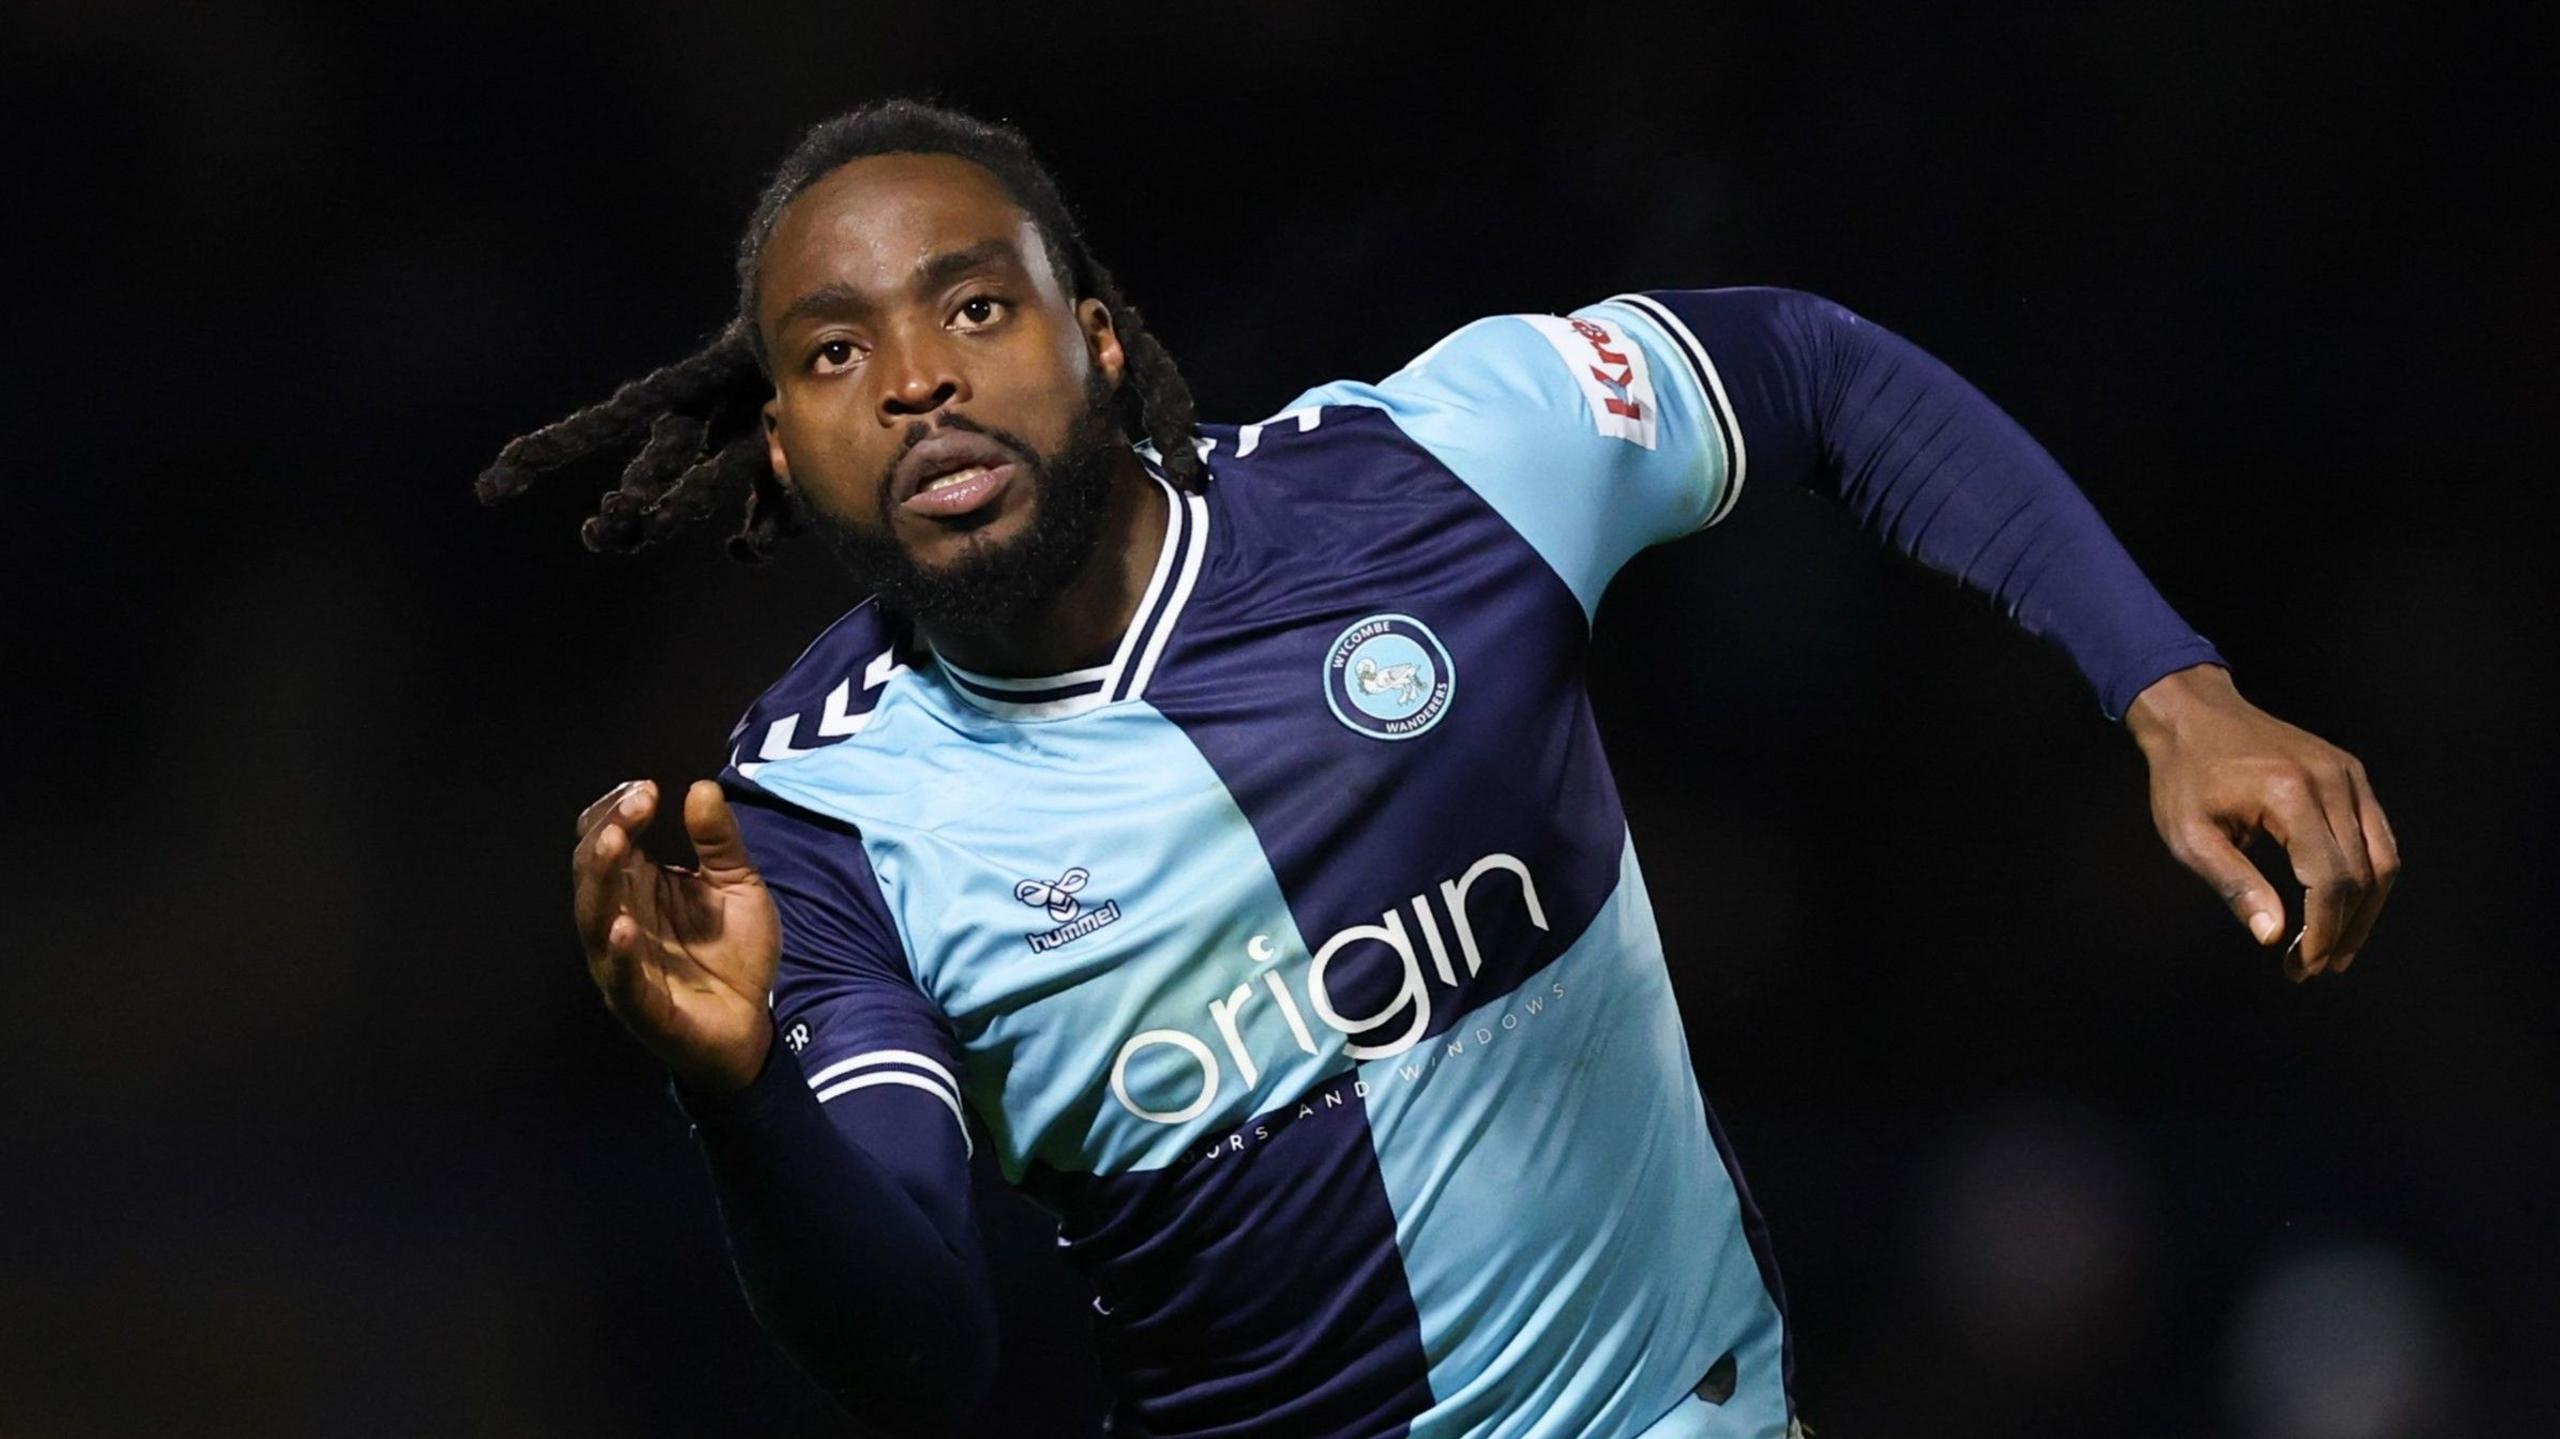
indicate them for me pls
(1593, 435)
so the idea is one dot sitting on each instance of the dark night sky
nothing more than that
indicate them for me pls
(315, 1126)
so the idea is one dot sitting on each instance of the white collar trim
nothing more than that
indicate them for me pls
(1133, 664)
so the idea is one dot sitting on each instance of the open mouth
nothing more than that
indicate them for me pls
(952, 474)
(956, 477)
(962, 491)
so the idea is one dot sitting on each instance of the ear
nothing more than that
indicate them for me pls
(1102, 340)
(773, 455)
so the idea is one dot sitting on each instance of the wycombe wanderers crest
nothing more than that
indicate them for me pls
(1389, 677)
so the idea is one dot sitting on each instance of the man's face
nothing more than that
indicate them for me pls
(941, 406)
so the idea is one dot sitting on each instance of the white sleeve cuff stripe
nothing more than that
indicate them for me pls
(1719, 406)
(876, 1057)
(912, 1081)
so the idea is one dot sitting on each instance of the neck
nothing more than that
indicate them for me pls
(1081, 625)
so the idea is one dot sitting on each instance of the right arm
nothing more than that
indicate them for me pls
(846, 1204)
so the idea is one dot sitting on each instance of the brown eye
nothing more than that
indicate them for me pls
(980, 309)
(833, 355)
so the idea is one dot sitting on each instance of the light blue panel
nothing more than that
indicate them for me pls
(1695, 1418)
(1589, 1302)
(1512, 416)
(953, 806)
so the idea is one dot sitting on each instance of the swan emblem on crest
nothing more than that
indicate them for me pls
(1402, 680)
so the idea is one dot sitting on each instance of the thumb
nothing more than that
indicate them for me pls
(2205, 849)
(713, 828)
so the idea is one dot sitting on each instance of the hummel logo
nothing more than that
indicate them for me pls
(1059, 896)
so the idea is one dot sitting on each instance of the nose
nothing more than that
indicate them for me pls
(921, 375)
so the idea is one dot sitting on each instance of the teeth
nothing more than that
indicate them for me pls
(955, 477)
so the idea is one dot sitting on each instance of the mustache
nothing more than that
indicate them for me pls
(919, 431)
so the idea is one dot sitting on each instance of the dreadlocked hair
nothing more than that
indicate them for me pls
(692, 430)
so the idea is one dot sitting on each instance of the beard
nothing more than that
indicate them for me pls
(998, 580)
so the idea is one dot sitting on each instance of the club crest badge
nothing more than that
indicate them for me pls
(1389, 677)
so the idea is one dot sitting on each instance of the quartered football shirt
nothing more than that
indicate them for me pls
(1299, 959)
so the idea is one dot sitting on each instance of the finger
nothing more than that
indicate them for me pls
(595, 886)
(2380, 823)
(639, 805)
(2330, 889)
(2202, 847)
(625, 804)
(2337, 797)
(643, 973)
(622, 971)
(2335, 793)
(2384, 851)
(713, 827)
(603, 805)
(601, 869)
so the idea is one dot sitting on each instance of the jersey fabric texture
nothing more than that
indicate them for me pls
(1299, 958)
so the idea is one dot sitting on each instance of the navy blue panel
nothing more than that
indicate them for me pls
(1315, 531)
(1253, 1289)
(813, 864)
(839, 676)
(844, 990)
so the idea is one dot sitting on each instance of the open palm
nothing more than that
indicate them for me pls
(685, 957)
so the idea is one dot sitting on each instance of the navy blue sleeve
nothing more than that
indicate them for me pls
(842, 1171)
(1827, 399)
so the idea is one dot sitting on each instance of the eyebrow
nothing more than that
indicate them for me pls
(837, 297)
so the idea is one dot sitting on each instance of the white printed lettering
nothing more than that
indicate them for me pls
(1223, 1012)
(1188, 1045)
(1390, 934)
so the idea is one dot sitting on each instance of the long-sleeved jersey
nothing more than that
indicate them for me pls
(1299, 958)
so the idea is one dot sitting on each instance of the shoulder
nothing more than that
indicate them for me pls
(1594, 365)
(1590, 434)
(827, 695)
(812, 859)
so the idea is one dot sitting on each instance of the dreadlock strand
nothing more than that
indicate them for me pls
(1155, 401)
(695, 383)
(1164, 403)
(675, 444)
(772, 515)
(726, 470)
(619, 524)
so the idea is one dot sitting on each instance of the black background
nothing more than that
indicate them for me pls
(314, 1125)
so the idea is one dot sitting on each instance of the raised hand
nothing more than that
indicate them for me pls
(685, 957)
(2223, 772)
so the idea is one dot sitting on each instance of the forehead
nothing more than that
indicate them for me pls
(870, 223)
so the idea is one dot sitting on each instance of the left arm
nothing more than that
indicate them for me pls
(1824, 398)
